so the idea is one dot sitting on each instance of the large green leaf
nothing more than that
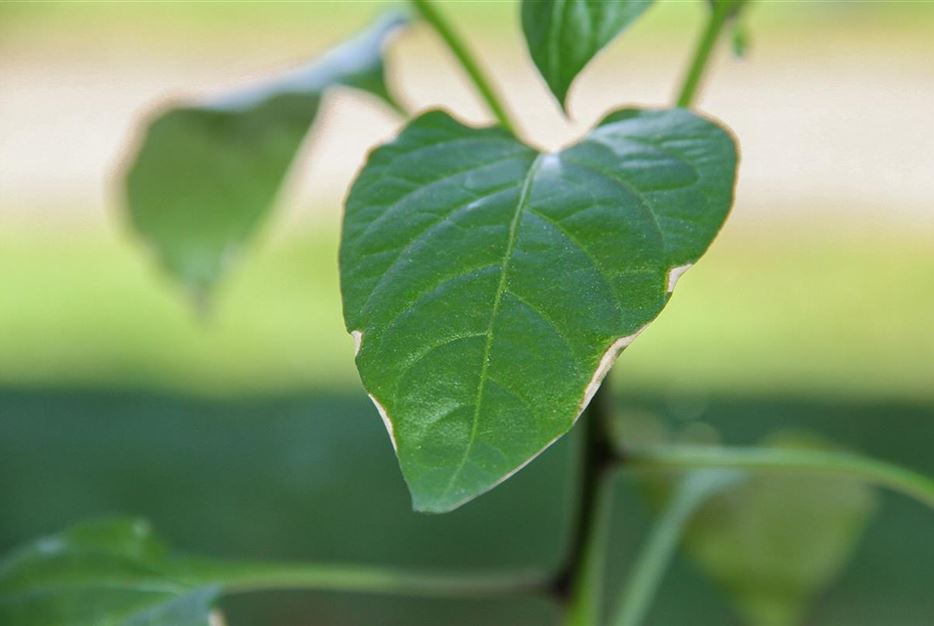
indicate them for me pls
(205, 174)
(564, 35)
(775, 541)
(111, 573)
(491, 287)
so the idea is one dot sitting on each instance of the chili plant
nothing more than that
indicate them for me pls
(489, 288)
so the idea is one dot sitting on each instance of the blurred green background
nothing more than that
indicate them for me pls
(248, 434)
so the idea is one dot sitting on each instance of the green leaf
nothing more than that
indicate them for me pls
(564, 35)
(110, 573)
(491, 287)
(113, 573)
(775, 541)
(206, 174)
(740, 40)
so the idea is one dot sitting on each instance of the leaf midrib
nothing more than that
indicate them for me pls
(521, 205)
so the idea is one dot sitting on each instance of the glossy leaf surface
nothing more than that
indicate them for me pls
(564, 35)
(111, 573)
(490, 287)
(206, 173)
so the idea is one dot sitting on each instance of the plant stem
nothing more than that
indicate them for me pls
(702, 51)
(647, 572)
(247, 577)
(872, 471)
(586, 598)
(457, 46)
(580, 584)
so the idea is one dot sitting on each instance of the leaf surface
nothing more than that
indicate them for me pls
(564, 35)
(110, 573)
(491, 287)
(206, 174)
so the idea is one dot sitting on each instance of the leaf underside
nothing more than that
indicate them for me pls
(491, 287)
(110, 573)
(564, 35)
(206, 174)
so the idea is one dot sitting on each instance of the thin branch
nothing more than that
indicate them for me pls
(586, 599)
(872, 471)
(459, 49)
(719, 15)
(581, 585)
(641, 585)
(239, 577)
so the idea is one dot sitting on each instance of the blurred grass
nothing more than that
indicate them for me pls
(774, 308)
(777, 306)
(200, 25)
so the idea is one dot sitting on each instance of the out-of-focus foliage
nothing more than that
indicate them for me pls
(205, 174)
(775, 541)
(194, 466)
(112, 573)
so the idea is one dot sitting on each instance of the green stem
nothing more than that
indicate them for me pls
(581, 583)
(587, 594)
(248, 577)
(647, 572)
(702, 51)
(457, 46)
(872, 471)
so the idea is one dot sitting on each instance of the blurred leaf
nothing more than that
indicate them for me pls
(564, 35)
(491, 287)
(647, 571)
(775, 541)
(205, 174)
(740, 40)
(110, 573)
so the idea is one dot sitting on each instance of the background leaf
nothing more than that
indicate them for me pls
(490, 288)
(108, 573)
(206, 174)
(775, 541)
(255, 464)
(564, 35)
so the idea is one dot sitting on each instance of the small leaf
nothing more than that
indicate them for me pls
(740, 40)
(564, 35)
(775, 541)
(206, 174)
(490, 287)
(111, 573)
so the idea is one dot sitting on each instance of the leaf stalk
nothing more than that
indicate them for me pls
(702, 52)
(641, 585)
(250, 577)
(484, 86)
(869, 470)
(580, 586)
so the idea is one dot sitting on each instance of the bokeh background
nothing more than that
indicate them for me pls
(248, 434)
